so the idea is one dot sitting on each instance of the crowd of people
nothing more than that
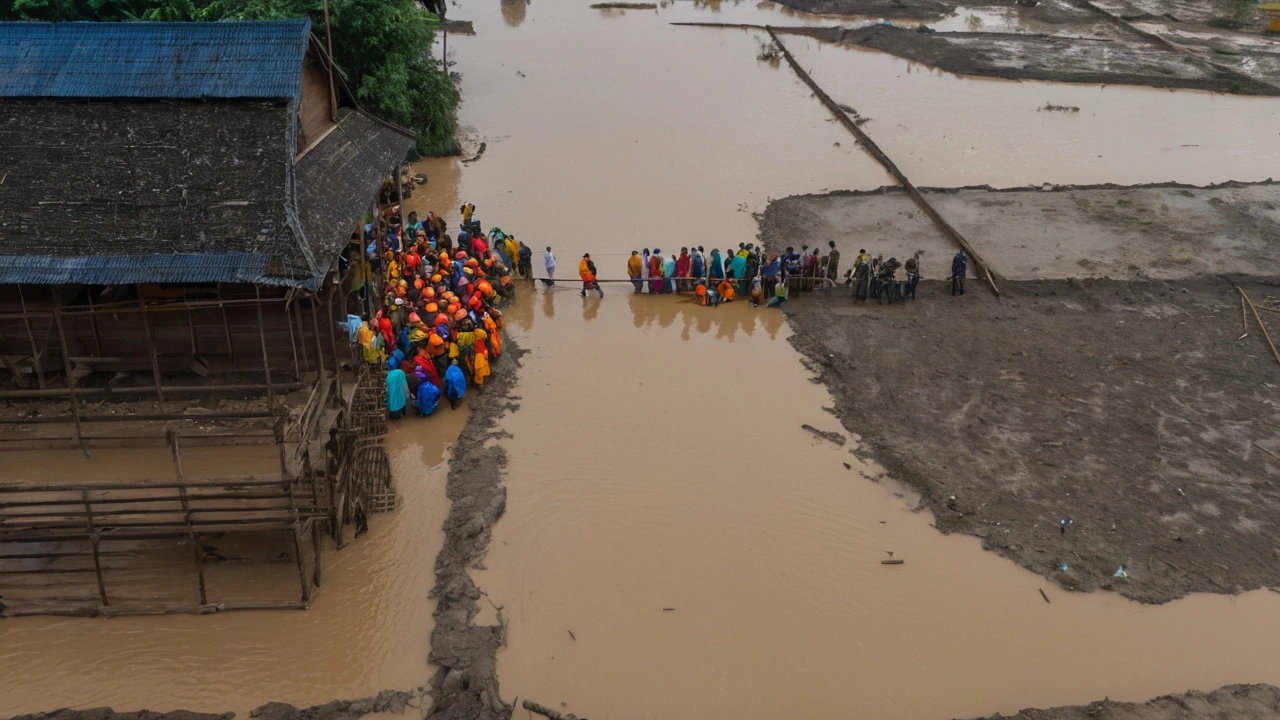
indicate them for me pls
(747, 273)
(435, 321)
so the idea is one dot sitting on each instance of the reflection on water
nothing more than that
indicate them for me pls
(513, 11)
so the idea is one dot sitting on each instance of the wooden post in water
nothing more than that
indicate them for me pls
(93, 537)
(226, 328)
(196, 552)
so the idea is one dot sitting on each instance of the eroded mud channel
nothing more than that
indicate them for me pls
(637, 524)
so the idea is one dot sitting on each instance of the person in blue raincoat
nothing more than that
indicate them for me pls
(717, 265)
(428, 396)
(455, 384)
(397, 393)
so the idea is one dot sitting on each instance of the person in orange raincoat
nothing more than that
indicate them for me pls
(727, 293)
(587, 271)
(491, 327)
(480, 363)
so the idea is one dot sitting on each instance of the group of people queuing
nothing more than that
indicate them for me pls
(435, 320)
(717, 277)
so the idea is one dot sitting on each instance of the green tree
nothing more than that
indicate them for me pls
(383, 46)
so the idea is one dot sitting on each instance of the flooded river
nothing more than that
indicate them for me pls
(675, 545)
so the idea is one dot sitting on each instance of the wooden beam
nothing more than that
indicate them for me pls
(31, 338)
(262, 338)
(66, 369)
(151, 343)
(93, 538)
(226, 327)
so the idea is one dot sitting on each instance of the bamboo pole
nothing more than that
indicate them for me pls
(226, 327)
(191, 325)
(315, 327)
(291, 317)
(334, 289)
(1258, 317)
(93, 320)
(97, 559)
(315, 545)
(31, 338)
(333, 92)
(66, 369)
(196, 552)
(262, 337)
(151, 344)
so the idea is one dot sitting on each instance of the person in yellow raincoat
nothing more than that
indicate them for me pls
(481, 361)
(369, 348)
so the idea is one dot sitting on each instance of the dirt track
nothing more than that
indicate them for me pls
(1130, 410)
(1238, 702)
(465, 685)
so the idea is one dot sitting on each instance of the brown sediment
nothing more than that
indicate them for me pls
(1045, 57)
(624, 6)
(1239, 702)
(465, 684)
(1076, 427)
(388, 701)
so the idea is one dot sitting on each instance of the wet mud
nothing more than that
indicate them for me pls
(1239, 702)
(1077, 427)
(1071, 59)
(390, 702)
(465, 684)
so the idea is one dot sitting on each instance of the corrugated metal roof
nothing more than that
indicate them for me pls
(128, 269)
(153, 60)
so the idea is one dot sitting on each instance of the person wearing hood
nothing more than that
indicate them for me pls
(698, 267)
(428, 395)
(716, 271)
(524, 265)
(587, 271)
(397, 393)
(669, 273)
(655, 271)
(683, 269)
(726, 291)
(644, 267)
(739, 265)
(549, 260)
(771, 274)
(959, 266)
(455, 384)
(635, 271)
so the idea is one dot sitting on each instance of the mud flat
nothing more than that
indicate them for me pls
(1164, 231)
(1129, 411)
(1074, 59)
(1244, 702)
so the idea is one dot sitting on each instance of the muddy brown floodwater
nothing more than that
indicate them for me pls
(658, 460)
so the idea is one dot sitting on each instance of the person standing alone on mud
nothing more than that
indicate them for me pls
(587, 271)
(550, 260)
(959, 265)
(635, 271)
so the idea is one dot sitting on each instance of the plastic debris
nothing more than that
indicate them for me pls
(1120, 573)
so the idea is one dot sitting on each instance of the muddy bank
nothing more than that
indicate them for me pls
(1073, 59)
(1076, 427)
(1159, 231)
(387, 701)
(1241, 702)
(466, 684)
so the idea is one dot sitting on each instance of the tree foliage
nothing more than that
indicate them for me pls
(384, 46)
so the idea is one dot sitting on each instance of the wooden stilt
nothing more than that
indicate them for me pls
(315, 328)
(191, 326)
(290, 316)
(66, 369)
(315, 546)
(262, 338)
(333, 339)
(93, 320)
(151, 344)
(31, 338)
(97, 559)
(226, 327)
